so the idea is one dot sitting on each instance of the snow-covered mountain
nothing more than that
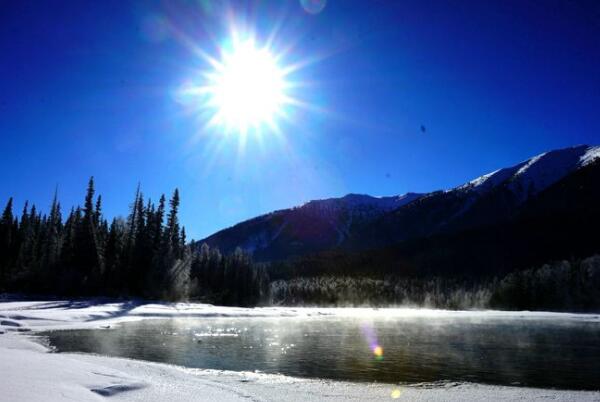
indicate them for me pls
(358, 221)
(537, 173)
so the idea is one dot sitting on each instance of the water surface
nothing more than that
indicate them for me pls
(529, 351)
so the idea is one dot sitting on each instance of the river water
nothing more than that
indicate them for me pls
(510, 350)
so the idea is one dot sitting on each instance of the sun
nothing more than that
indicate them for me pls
(249, 88)
(246, 89)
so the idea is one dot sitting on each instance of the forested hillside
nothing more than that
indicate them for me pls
(144, 255)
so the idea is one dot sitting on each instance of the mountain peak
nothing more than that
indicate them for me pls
(536, 173)
(355, 200)
(590, 155)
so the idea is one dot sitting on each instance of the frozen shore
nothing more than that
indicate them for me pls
(29, 373)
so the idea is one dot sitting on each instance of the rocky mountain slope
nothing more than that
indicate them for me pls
(359, 222)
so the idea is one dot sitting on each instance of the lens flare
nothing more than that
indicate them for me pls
(313, 6)
(371, 337)
(396, 393)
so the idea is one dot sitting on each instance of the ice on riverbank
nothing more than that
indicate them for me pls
(71, 314)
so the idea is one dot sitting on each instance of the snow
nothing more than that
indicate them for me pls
(590, 155)
(490, 180)
(361, 201)
(529, 163)
(385, 203)
(482, 179)
(546, 169)
(29, 373)
(537, 173)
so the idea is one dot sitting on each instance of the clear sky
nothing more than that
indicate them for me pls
(93, 88)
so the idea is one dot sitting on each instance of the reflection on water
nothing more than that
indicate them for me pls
(559, 353)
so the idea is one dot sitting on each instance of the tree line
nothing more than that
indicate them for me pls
(145, 255)
(387, 291)
(567, 285)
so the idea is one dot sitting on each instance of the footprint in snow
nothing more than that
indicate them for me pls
(112, 390)
(8, 323)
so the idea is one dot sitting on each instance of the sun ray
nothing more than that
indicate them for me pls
(248, 94)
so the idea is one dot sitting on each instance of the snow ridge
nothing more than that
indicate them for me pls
(537, 173)
(352, 201)
(590, 156)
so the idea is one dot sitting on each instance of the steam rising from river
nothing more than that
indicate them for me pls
(386, 345)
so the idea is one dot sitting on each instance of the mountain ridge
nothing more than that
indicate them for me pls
(360, 221)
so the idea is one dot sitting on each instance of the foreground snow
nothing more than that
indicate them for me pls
(29, 373)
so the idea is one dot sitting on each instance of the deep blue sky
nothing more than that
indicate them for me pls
(91, 88)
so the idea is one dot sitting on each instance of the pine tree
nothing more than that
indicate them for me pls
(128, 263)
(88, 247)
(7, 215)
(114, 258)
(173, 226)
(157, 264)
(6, 241)
(67, 252)
(182, 239)
(157, 230)
(98, 212)
(26, 240)
(51, 244)
(140, 256)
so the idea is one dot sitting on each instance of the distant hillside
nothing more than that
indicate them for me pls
(555, 189)
(494, 198)
(315, 226)
(560, 222)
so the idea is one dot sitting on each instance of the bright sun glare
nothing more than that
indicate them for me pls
(246, 88)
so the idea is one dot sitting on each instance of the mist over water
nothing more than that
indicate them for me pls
(513, 349)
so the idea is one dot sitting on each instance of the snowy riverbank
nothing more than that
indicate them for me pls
(29, 373)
